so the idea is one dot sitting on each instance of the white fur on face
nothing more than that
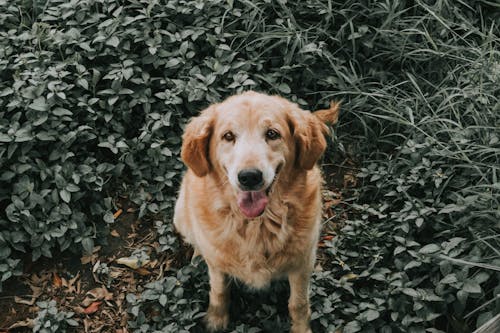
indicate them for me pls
(249, 118)
(250, 151)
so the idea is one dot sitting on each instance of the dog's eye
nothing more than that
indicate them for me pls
(228, 136)
(272, 134)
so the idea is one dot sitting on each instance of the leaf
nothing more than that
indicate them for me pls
(163, 299)
(5, 138)
(56, 280)
(451, 208)
(65, 195)
(371, 315)
(88, 245)
(109, 217)
(132, 262)
(448, 279)
(117, 213)
(410, 292)
(284, 88)
(62, 112)
(429, 249)
(113, 41)
(471, 287)
(92, 308)
(39, 104)
(97, 294)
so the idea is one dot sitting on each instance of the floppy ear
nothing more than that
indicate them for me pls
(329, 116)
(309, 134)
(195, 142)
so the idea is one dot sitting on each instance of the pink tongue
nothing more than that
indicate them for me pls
(252, 204)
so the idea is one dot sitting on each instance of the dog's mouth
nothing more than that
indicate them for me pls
(253, 203)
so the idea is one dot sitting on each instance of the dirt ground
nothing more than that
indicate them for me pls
(77, 283)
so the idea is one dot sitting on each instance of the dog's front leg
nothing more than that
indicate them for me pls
(298, 304)
(217, 317)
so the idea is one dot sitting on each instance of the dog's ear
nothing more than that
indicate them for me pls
(329, 116)
(195, 142)
(309, 134)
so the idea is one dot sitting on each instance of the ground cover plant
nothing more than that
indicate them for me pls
(94, 95)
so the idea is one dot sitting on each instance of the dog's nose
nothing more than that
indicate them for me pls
(250, 179)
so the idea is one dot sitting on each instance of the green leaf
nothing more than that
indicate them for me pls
(39, 104)
(163, 299)
(5, 138)
(88, 245)
(65, 195)
(448, 279)
(113, 41)
(61, 112)
(429, 249)
(452, 208)
(284, 88)
(109, 218)
(370, 315)
(471, 287)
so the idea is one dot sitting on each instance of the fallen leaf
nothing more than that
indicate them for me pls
(350, 276)
(23, 323)
(56, 280)
(143, 271)
(78, 309)
(115, 233)
(118, 213)
(131, 262)
(97, 294)
(70, 284)
(116, 272)
(92, 308)
(20, 300)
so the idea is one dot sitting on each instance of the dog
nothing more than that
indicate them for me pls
(250, 201)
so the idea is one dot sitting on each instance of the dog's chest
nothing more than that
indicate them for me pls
(258, 251)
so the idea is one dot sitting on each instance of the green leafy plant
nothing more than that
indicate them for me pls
(50, 320)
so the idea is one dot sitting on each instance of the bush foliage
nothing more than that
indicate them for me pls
(95, 94)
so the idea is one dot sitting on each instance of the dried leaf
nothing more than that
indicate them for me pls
(143, 271)
(92, 308)
(350, 276)
(20, 300)
(131, 262)
(115, 233)
(56, 280)
(23, 323)
(70, 284)
(97, 294)
(118, 213)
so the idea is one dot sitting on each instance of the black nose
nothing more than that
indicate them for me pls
(250, 179)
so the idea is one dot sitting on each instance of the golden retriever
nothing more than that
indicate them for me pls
(250, 200)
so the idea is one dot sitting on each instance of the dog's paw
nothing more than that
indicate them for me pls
(216, 319)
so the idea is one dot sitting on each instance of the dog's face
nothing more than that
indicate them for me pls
(248, 140)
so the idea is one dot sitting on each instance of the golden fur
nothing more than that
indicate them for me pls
(281, 242)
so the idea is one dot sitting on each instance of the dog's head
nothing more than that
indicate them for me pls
(250, 139)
